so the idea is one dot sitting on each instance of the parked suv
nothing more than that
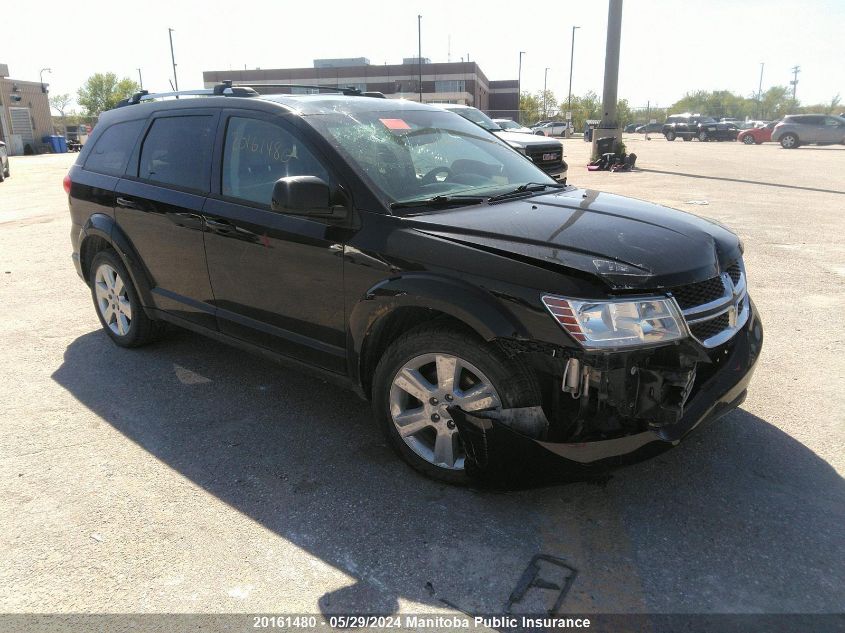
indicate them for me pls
(547, 154)
(795, 130)
(403, 252)
(550, 128)
(704, 128)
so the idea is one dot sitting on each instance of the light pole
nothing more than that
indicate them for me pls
(545, 82)
(41, 77)
(760, 92)
(519, 88)
(794, 82)
(419, 52)
(173, 60)
(140, 79)
(571, 62)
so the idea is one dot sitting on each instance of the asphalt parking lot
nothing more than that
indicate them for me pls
(188, 476)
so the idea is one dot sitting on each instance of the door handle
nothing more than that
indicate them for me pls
(126, 203)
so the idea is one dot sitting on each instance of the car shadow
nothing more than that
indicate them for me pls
(741, 517)
(741, 180)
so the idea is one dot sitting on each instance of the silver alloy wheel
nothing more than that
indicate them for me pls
(421, 391)
(787, 141)
(748, 139)
(113, 300)
(702, 136)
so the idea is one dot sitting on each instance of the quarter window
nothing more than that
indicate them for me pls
(177, 151)
(257, 153)
(111, 153)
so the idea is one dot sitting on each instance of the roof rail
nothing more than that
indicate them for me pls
(224, 89)
(349, 91)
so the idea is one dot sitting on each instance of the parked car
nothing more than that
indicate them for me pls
(761, 133)
(550, 128)
(795, 130)
(400, 251)
(4, 162)
(509, 125)
(546, 154)
(689, 126)
(651, 128)
(631, 127)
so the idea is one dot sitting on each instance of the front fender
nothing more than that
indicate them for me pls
(105, 227)
(474, 306)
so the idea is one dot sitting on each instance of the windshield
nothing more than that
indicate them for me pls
(410, 155)
(477, 117)
(508, 125)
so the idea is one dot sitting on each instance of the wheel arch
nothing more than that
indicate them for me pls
(394, 306)
(101, 232)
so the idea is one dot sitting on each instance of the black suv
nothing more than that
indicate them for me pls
(704, 128)
(407, 254)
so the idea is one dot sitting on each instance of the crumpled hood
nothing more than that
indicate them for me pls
(628, 243)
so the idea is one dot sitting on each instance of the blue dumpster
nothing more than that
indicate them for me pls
(58, 144)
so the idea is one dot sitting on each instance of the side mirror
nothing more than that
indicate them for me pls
(305, 195)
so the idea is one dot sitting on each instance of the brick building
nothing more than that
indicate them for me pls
(24, 114)
(455, 82)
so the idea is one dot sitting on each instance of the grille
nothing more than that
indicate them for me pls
(536, 155)
(698, 294)
(735, 272)
(707, 329)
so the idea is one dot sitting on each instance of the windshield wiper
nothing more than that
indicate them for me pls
(528, 187)
(438, 201)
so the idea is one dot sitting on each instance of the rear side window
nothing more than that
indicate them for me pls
(257, 153)
(177, 151)
(111, 153)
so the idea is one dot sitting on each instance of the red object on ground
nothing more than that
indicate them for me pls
(759, 134)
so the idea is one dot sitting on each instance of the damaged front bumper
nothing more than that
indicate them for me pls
(520, 445)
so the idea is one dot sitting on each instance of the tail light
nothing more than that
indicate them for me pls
(66, 183)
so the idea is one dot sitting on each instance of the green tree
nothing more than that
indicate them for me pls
(102, 91)
(530, 107)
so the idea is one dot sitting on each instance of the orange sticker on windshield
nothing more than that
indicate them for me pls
(395, 124)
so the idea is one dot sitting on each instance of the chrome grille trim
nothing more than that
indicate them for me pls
(734, 303)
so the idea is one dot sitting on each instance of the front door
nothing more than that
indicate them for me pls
(158, 205)
(277, 278)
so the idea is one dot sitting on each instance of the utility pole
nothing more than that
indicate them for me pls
(611, 65)
(173, 59)
(794, 82)
(140, 79)
(545, 82)
(41, 77)
(419, 51)
(760, 92)
(571, 63)
(519, 89)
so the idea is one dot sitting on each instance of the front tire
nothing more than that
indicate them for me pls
(670, 135)
(702, 136)
(430, 368)
(116, 302)
(748, 139)
(789, 141)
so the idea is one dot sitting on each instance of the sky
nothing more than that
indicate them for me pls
(668, 47)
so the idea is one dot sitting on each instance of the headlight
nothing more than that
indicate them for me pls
(614, 324)
(521, 150)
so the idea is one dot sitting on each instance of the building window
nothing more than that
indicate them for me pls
(450, 85)
(412, 85)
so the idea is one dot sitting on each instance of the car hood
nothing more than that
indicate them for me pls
(521, 138)
(629, 244)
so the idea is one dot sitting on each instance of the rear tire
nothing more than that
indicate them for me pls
(443, 365)
(702, 136)
(117, 304)
(748, 139)
(789, 141)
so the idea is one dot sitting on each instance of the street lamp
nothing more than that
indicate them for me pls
(519, 88)
(760, 92)
(571, 61)
(419, 53)
(545, 82)
(41, 77)
(140, 79)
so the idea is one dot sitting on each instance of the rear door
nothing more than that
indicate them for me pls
(158, 204)
(277, 278)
